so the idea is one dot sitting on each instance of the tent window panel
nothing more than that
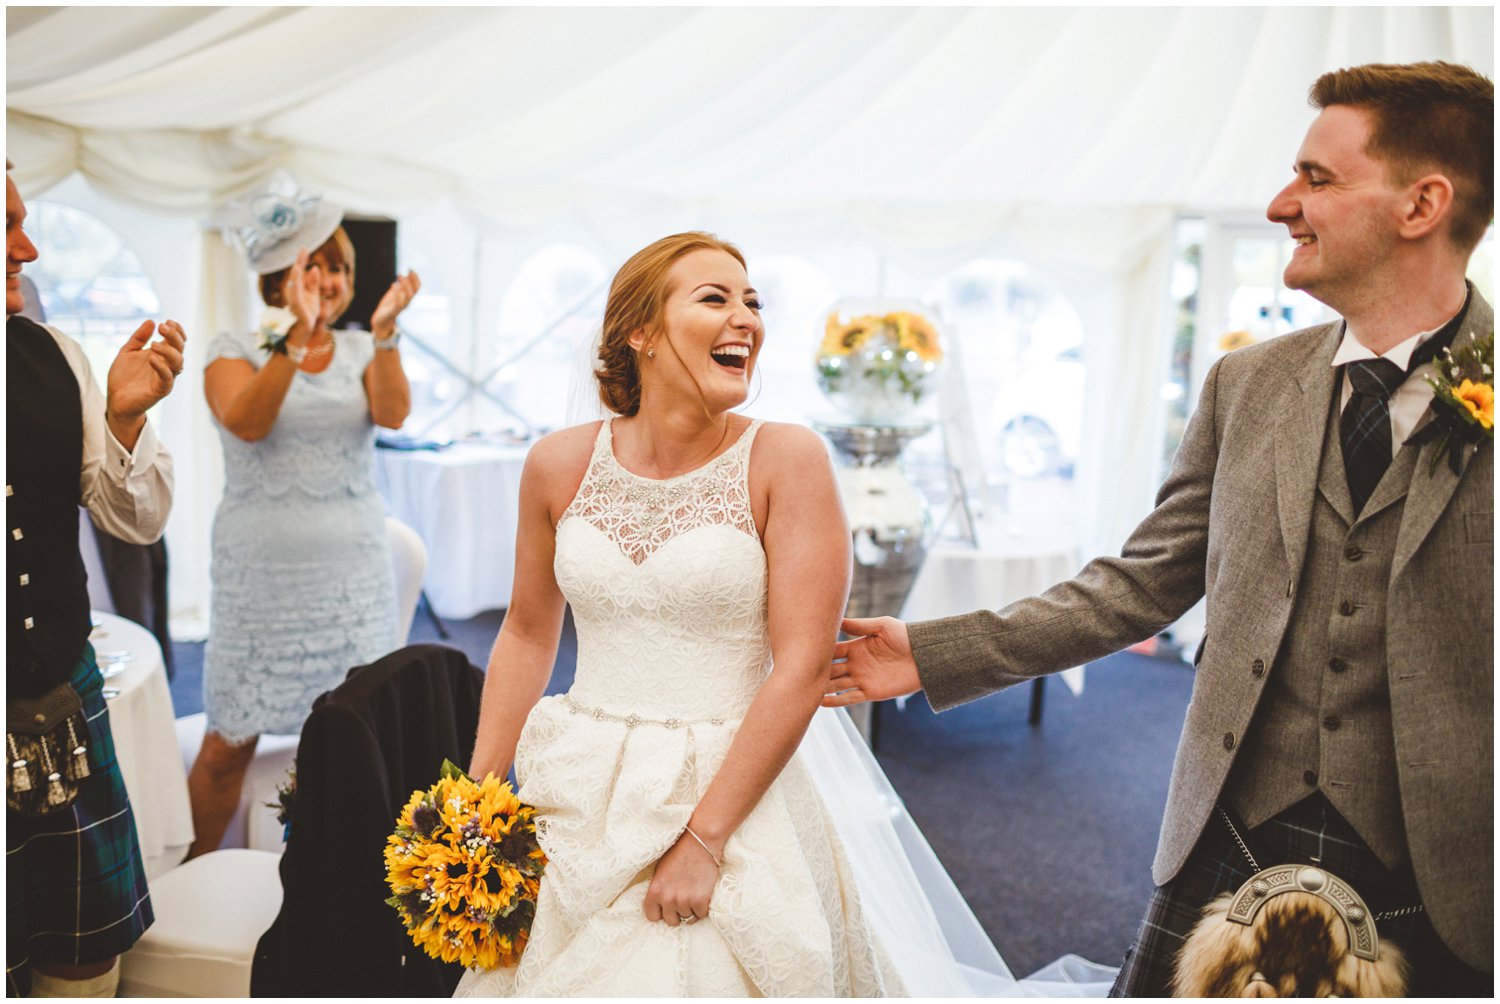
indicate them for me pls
(431, 347)
(1020, 345)
(547, 323)
(90, 283)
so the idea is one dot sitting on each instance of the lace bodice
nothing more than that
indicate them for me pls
(667, 581)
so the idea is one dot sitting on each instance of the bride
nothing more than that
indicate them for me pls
(691, 850)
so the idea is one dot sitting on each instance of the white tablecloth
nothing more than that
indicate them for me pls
(463, 503)
(141, 721)
(957, 578)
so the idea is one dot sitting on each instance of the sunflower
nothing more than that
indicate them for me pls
(841, 338)
(1478, 399)
(915, 333)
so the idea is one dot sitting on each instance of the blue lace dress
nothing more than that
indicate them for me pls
(303, 587)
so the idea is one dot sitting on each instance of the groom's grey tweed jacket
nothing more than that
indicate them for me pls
(1234, 521)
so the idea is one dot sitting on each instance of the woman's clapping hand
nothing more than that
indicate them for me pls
(395, 300)
(303, 296)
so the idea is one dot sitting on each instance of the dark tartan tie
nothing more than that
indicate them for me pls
(1365, 425)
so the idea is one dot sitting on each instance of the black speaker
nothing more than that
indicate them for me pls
(374, 241)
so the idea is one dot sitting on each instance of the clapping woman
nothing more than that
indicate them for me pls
(302, 579)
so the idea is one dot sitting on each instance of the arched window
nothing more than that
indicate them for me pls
(92, 286)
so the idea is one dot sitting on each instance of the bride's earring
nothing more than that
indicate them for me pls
(650, 353)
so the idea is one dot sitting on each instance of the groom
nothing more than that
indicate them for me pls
(1342, 711)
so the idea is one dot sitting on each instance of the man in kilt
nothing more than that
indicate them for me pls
(1339, 519)
(75, 888)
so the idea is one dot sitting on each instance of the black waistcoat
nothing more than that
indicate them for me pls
(47, 608)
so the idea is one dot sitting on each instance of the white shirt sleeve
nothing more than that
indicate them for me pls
(128, 494)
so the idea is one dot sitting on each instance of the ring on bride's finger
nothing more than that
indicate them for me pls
(691, 918)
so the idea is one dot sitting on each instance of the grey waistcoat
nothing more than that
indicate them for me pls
(1324, 718)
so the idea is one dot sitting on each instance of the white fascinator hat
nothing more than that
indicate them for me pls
(270, 228)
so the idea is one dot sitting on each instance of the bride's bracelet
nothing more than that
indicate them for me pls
(718, 861)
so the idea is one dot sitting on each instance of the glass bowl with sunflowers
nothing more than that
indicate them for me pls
(878, 360)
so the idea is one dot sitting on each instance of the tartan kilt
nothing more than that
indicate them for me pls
(75, 885)
(1310, 832)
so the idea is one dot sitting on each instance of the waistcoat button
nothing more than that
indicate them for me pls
(1337, 665)
(1229, 740)
(1310, 776)
(1346, 607)
(1354, 552)
(1258, 668)
(1332, 723)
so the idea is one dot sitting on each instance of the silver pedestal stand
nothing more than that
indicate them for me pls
(888, 519)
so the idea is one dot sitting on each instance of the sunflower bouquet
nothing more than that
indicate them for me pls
(464, 867)
(878, 366)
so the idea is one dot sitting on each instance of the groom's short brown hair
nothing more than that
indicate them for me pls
(1427, 116)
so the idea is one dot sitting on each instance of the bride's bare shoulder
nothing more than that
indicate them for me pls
(788, 457)
(560, 458)
(790, 445)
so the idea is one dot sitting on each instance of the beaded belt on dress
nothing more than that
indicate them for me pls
(631, 720)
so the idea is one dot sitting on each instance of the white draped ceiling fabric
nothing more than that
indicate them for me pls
(1071, 135)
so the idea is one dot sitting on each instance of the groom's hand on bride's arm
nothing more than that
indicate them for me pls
(875, 666)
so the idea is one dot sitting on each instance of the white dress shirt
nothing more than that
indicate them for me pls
(1411, 399)
(128, 493)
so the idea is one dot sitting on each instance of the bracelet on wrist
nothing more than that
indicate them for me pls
(296, 353)
(388, 343)
(718, 861)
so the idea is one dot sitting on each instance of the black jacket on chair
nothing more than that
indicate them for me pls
(380, 735)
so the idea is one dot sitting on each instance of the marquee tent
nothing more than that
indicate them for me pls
(1074, 136)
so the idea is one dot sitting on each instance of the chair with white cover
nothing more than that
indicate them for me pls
(409, 562)
(210, 912)
(254, 822)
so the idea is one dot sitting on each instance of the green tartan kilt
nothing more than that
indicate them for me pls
(75, 886)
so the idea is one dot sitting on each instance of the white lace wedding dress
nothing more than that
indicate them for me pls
(667, 583)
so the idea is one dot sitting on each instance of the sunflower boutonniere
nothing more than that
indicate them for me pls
(1463, 403)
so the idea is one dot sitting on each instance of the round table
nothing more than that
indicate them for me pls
(463, 502)
(141, 721)
(958, 577)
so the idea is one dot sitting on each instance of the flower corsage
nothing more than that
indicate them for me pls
(275, 325)
(1463, 403)
(286, 799)
(464, 869)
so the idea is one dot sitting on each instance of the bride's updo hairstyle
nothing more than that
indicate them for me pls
(635, 301)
